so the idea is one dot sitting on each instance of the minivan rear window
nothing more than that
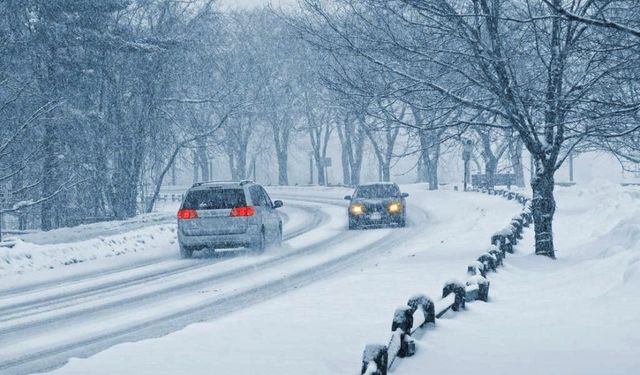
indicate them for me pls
(214, 199)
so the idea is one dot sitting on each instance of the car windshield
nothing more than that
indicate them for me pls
(214, 199)
(377, 191)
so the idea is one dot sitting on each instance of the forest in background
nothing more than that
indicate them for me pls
(100, 102)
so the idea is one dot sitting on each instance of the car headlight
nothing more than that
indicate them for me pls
(394, 207)
(356, 209)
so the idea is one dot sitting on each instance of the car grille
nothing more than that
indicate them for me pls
(376, 208)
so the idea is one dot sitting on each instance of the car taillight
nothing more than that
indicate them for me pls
(186, 213)
(242, 211)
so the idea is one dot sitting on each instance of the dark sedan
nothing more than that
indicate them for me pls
(379, 204)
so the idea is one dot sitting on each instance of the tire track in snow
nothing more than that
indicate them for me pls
(56, 300)
(55, 355)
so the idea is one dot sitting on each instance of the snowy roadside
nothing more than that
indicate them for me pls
(144, 238)
(576, 315)
(322, 328)
(41, 251)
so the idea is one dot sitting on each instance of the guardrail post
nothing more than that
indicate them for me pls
(499, 241)
(403, 321)
(476, 268)
(490, 262)
(516, 230)
(427, 306)
(375, 360)
(458, 289)
(499, 255)
(482, 287)
(508, 246)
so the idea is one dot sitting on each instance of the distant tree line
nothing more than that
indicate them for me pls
(552, 76)
(101, 100)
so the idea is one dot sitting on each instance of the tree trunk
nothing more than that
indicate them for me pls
(346, 168)
(386, 171)
(194, 156)
(320, 168)
(203, 160)
(345, 151)
(544, 207)
(281, 142)
(241, 165)
(490, 169)
(158, 183)
(429, 163)
(283, 174)
(51, 180)
(356, 164)
(515, 154)
(174, 180)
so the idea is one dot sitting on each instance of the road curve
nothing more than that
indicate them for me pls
(43, 332)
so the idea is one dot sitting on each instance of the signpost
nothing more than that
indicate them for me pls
(467, 148)
(326, 163)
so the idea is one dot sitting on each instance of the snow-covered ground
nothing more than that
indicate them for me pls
(578, 314)
(323, 327)
(310, 307)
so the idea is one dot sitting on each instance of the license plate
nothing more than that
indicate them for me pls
(376, 216)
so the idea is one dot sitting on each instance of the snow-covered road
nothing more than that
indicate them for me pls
(45, 322)
(42, 323)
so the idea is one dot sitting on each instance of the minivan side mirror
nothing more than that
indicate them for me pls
(404, 195)
(277, 204)
(347, 197)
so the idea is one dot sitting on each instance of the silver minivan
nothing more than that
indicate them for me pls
(216, 215)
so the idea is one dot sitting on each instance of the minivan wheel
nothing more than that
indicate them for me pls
(185, 252)
(260, 246)
(279, 238)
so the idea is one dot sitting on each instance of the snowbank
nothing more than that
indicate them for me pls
(322, 328)
(28, 256)
(576, 315)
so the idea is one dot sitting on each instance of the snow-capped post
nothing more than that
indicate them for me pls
(476, 268)
(456, 288)
(518, 218)
(498, 240)
(509, 240)
(477, 289)
(374, 360)
(517, 229)
(403, 322)
(499, 255)
(523, 217)
(513, 238)
(424, 303)
(490, 262)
